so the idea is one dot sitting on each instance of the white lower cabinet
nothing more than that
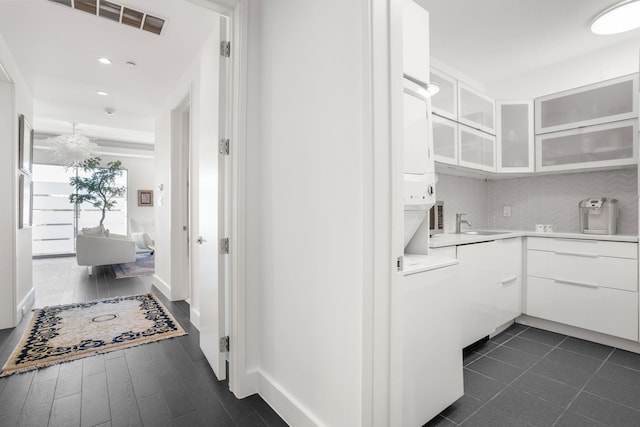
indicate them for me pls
(426, 356)
(477, 291)
(609, 311)
(587, 284)
(490, 286)
(508, 300)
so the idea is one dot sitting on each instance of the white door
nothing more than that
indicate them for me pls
(212, 185)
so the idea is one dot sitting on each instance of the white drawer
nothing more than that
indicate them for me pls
(604, 310)
(585, 247)
(608, 272)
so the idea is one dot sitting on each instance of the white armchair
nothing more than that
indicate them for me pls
(96, 249)
(142, 233)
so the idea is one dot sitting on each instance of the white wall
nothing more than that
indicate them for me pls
(164, 164)
(15, 264)
(190, 85)
(600, 65)
(305, 192)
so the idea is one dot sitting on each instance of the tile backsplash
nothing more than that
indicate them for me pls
(553, 199)
(546, 199)
(462, 195)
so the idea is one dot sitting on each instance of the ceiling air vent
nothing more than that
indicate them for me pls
(118, 13)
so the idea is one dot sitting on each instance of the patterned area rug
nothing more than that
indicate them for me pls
(63, 333)
(143, 266)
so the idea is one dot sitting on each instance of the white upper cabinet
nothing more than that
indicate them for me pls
(476, 109)
(445, 102)
(415, 43)
(445, 140)
(603, 102)
(515, 138)
(611, 144)
(477, 149)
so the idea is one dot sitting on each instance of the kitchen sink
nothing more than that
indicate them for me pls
(483, 233)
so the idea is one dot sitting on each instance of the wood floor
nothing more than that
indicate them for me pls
(166, 383)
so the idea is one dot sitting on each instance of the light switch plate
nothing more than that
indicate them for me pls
(506, 210)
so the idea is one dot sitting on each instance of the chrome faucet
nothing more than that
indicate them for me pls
(460, 221)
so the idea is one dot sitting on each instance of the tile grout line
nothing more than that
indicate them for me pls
(583, 387)
(516, 378)
(481, 356)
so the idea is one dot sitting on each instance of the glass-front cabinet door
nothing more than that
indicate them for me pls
(603, 102)
(476, 109)
(445, 140)
(445, 102)
(515, 138)
(477, 149)
(610, 144)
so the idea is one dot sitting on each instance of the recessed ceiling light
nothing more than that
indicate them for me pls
(131, 64)
(105, 61)
(101, 93)
(622, 17)
(109, 111)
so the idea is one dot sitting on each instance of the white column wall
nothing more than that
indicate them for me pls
(305, 215)
(16, 287)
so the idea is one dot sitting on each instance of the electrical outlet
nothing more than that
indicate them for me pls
(506, 210)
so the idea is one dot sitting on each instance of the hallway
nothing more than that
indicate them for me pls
(165, 383)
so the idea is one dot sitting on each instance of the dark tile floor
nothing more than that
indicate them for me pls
(166, 383)
(530, 377)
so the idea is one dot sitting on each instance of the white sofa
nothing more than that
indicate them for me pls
(94, 248)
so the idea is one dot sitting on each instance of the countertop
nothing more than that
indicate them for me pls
(452, 239)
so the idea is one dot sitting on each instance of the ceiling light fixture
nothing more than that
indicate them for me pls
(131, 64)
(109, 111)
(72, 150)
(105, 61)
(101, 93)
(622, 17)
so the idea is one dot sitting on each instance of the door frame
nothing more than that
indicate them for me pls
(180, 166)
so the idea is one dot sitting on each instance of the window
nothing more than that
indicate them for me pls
(54, 218)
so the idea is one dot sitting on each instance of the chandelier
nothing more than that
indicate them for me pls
(72, 150)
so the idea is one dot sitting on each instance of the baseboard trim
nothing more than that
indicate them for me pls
(576, 332)
(246, 384)
(194, 317)
(162, 286)
(25, 305)
(289, 409)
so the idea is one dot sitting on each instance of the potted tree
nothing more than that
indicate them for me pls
(99, 189)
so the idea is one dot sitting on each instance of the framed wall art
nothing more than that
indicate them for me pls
(145, 197)
(25, 145)
(25, 194)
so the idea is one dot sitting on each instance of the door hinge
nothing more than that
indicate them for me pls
(400, 263)
(224, 245)
(224, 147)
(225, 49)
(224, 344)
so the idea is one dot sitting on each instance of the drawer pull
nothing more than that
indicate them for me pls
(583, 254)
(571, 282)
(508, 280)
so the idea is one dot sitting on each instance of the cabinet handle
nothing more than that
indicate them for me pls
(571, 282)
(510, 279)
(583, 254)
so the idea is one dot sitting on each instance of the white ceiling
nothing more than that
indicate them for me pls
(491, 40)
(57, 48)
